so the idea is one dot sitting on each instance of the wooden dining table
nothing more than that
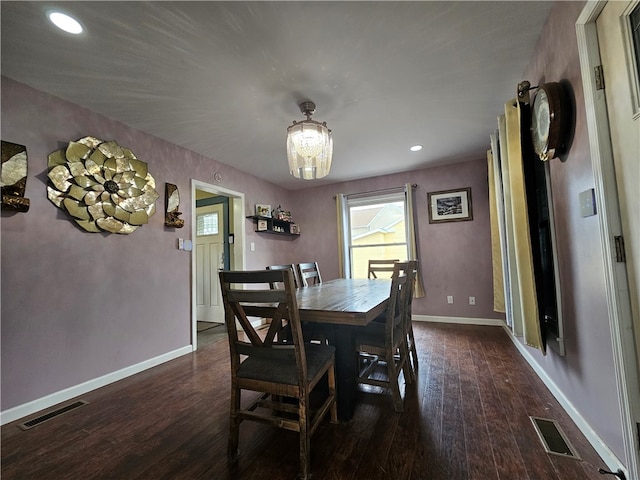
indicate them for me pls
(341, 306)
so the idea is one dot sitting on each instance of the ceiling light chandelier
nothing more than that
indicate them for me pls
(309, 146)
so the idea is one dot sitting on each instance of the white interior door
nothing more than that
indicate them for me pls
(209, 251)
(623, 107)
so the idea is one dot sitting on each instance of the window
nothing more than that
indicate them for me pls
(632, 42)
(634, 20)
(377, 229)
(207, 224)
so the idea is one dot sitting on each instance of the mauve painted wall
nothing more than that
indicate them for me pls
(455, 257)
(586, 373)
(77, 305)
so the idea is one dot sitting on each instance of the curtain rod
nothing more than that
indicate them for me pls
(384, 190)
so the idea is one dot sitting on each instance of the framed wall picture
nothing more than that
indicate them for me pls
(263, 210)
(262, 225)
(450, 205)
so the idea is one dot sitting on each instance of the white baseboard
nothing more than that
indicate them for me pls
(49, 401)
(459, 320)
(613, 463)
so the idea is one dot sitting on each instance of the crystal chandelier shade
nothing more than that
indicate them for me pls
(309, 146)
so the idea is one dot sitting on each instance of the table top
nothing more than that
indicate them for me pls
(344, 301)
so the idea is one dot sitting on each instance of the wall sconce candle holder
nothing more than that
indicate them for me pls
(14, 177)
(171, 205)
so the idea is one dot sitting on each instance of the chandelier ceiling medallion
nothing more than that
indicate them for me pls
(309, 146)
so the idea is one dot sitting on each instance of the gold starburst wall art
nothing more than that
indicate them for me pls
(102, 185)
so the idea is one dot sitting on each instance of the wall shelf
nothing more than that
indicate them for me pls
(274, 226)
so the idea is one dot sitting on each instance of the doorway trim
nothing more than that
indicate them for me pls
(618, 301)
(238, 252)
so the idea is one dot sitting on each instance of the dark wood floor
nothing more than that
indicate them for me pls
(466, 418)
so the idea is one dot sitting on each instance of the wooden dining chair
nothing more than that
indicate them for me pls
(283, 375)
(309, 273)
(288, 266)
(403, 267)
(381, 266)
(384, 343)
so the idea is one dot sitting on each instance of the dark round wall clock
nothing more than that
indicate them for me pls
(550, 118)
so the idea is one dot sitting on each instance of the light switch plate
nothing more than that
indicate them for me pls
(587, 203)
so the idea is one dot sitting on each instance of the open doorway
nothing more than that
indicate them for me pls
(218, 243)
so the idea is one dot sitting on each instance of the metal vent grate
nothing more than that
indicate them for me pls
(48, 416)
(553, 438)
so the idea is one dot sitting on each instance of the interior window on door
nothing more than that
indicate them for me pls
(207, 224)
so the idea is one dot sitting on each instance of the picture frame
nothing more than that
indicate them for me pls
(262, 225)
(450, 205)
(263, 210)
(294, 228)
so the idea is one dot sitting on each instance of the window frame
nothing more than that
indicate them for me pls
(363, 200)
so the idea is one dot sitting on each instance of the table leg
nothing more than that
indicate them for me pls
(346, 371)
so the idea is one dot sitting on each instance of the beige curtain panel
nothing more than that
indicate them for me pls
(340, 202)
(496, 251)
(520, 221)
(413, 240)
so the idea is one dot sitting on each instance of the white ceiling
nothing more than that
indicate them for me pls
(224, 79)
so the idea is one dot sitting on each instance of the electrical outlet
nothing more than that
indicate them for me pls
(253, 246)
(449, 299)
(472, 300)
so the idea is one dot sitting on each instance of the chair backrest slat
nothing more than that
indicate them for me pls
(395, 308)
(400, 298)
(288, 266)
(258, 296)
(378, 266)
(309, 273)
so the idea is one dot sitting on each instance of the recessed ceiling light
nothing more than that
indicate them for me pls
(416, 148)
(65, 22)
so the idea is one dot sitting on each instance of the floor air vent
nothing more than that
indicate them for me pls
(48, 416)
(553, 438)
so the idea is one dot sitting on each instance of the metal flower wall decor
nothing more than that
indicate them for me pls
(102, 185)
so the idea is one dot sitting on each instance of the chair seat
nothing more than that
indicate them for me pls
(282, 368)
